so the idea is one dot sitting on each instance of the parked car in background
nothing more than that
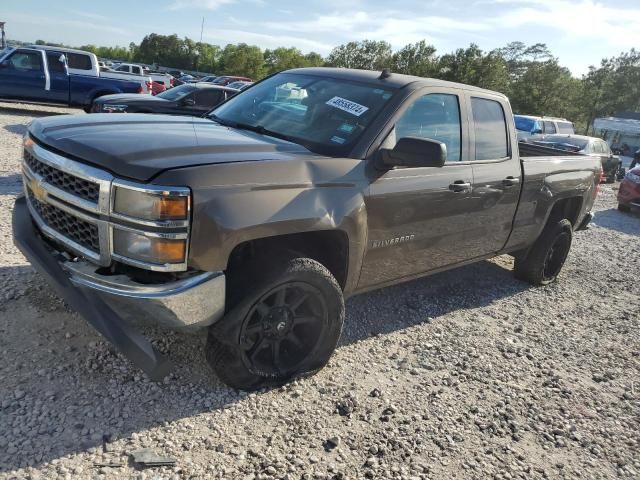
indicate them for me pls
(629, 192)
(208, 78)
(176, 73)
(164, 78)
(189, 99)
(595, 147)
(257, 221)
(80, 62)
(157, 87)
(529, 125)
(240, 84)
(226, 80)
(41, 76)
(187, 78)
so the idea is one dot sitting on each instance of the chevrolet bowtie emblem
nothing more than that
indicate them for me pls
(37, 190)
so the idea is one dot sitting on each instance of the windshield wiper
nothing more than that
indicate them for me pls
(217, 119)
(264, 131)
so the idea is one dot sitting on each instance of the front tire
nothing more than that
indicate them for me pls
(546, 258)
(286, 325)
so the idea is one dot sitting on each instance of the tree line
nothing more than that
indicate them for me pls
(533, 79)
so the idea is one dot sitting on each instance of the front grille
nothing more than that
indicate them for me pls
(67, 225)
(64, 181)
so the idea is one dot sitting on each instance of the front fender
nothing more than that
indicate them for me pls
(283, 197)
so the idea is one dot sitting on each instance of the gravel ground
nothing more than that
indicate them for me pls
(466, 374)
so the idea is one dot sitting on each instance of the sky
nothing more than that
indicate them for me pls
(579, 32)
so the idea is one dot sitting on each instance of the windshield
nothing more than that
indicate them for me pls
(176, 93)
(325, 115)
(525, 124)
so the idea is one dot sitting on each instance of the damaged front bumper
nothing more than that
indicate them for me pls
(111, 303)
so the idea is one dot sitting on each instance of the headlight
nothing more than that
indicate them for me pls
(143, 247)
(151, 203)
(114, 108)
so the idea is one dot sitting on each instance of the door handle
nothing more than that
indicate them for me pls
(510, 181)
(460, 186)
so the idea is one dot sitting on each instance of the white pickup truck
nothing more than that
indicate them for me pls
(134, 69)
(81, 62)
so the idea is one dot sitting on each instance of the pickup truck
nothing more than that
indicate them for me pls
(41, 76)
(84, 63)
(255, 222)
(133, 69)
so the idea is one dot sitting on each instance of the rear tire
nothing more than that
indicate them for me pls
(286, 325)
(544, 261)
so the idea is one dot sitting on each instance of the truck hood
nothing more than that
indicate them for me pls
(140, 146)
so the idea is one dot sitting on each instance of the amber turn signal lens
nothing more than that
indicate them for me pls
(172, 208)
(170, 251)
(28, 142)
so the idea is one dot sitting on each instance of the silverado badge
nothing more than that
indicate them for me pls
(392, 241)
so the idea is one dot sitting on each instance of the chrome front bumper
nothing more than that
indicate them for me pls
(190, 303)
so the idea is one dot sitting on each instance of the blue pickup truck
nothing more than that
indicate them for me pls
(41, 76)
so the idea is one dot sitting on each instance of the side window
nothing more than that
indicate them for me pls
(79, 61)
(490, 129)
(549, 127)
(435, 116)
(31, 61)
(55, 65)
(137, 70)
(123, 68)
(565, 127)
(208, 98)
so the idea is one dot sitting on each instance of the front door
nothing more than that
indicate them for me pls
(22, 75)
(417, 216)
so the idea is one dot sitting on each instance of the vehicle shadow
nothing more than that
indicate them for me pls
(89, 376)
(28, 112)
(614, 219)
(17, 128)
(11, 184)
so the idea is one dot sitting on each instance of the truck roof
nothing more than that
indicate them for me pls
(60, 49)
(397, 80)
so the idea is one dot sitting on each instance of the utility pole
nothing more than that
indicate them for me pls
(3, 43)
(201, 29)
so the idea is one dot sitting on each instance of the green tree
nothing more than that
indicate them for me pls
(283, 58)
(473, 67)
(416, 59)
(242, 59)
(367, 54)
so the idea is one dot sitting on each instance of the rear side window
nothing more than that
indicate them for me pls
(79, 61)
(490, 129)
(208, 98)
(566, 127)
(549, 127)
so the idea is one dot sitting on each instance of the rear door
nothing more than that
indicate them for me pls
(59, 80)
(23, 76)
(497, 175)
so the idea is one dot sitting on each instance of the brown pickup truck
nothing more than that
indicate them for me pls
(254, 222)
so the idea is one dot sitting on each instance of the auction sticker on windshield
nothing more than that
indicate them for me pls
(348, 106)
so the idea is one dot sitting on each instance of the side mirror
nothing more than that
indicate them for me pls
(415, 152)
(536, 131)
(189, 102)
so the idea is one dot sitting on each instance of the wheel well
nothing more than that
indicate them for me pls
(328, 247)
(99, 94)
(568, 208)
